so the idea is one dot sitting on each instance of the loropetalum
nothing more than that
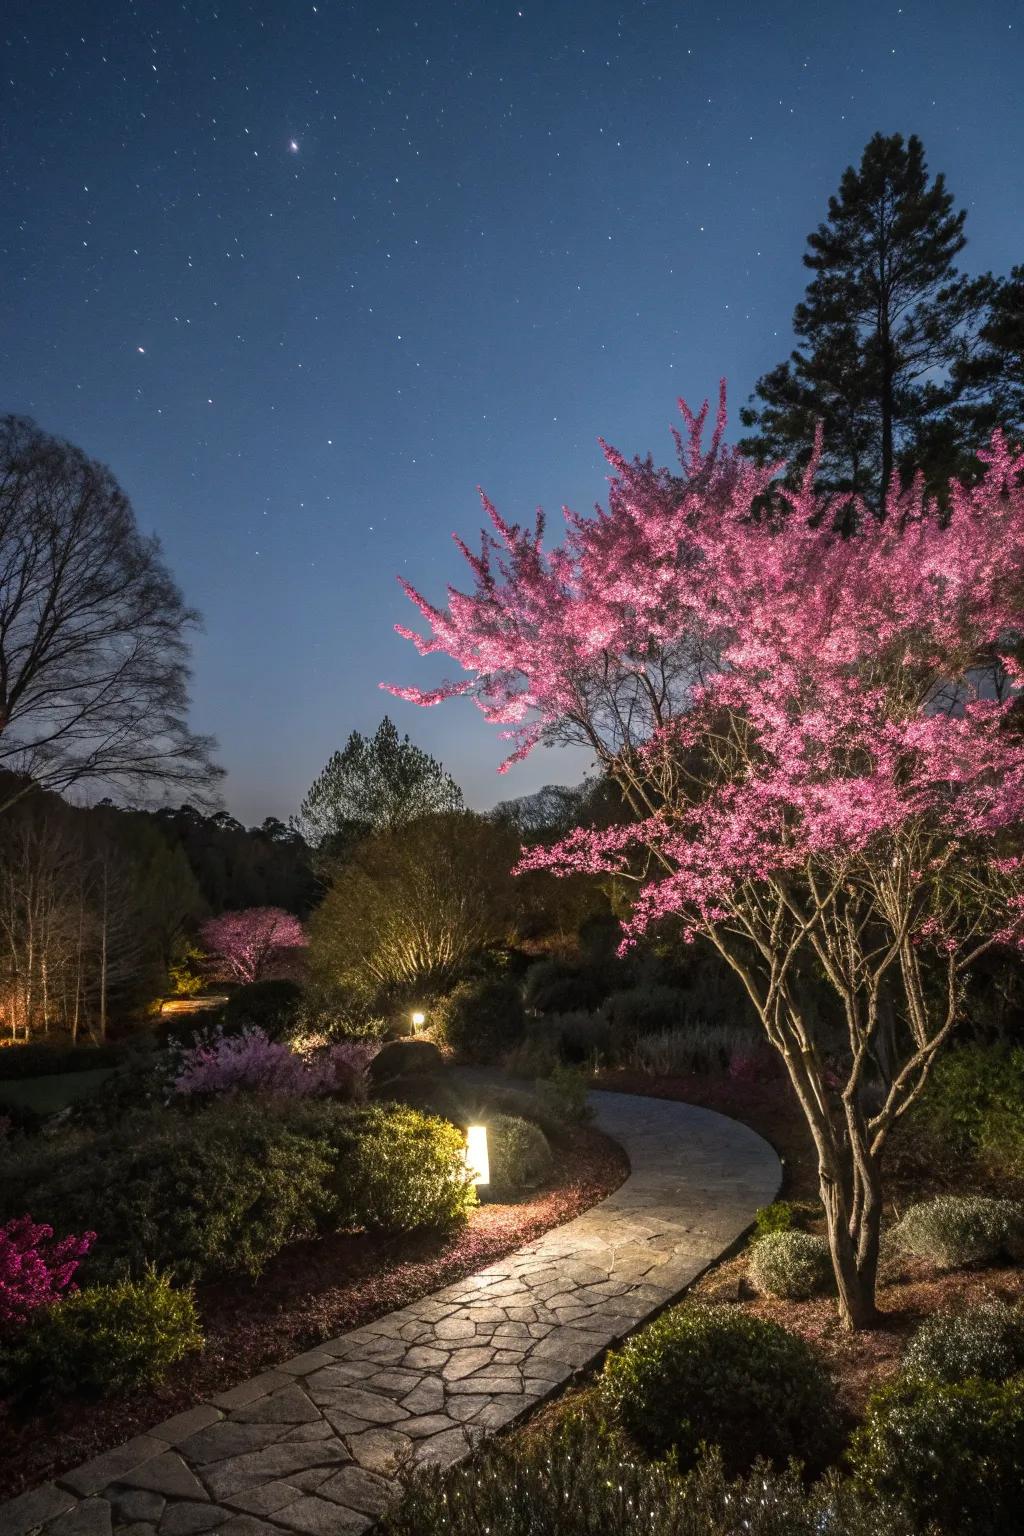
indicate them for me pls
(34, 1269)
(249, 1060)
(246, 941)
(818, 740)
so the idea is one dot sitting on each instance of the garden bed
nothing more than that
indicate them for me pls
(310, 1292)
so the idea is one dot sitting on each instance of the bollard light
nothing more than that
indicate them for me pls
(418, 1021)
(476, 1154)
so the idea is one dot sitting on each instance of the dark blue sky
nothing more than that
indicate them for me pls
(304, 275)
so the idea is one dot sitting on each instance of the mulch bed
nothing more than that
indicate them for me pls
(310, 1292)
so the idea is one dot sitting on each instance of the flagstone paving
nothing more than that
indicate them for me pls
(317, 1444)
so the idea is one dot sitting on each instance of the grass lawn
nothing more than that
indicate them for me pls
(46, 1095)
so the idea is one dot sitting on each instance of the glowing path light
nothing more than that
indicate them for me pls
(476, 1154)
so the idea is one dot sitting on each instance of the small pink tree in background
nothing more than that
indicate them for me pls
(34, 1270)
(247, 942)
(819, 741)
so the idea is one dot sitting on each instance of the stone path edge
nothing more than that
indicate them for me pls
(318, 1444)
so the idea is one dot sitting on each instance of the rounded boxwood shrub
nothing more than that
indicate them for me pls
(401, 1172)
(577, 1481)
(100, 1341)
(949, 1452)
(987, 1342)
(520, 1156)
(399, 1058)
(480, 1020)
(716, 1374)
(791, 1265)
(955, 1230)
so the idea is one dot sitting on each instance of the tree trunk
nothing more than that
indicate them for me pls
(854, 1249)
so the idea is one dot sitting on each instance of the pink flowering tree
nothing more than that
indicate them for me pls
(818, 738)
(34, 1269)
(247, 942)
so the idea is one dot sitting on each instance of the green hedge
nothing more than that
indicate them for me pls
(100, 1341)
(718, 1375)
(481, 1020)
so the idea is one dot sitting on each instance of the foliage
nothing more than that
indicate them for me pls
(236, 867)
(952, 1452)
(108, 1339)
(973, 1109)
(780, 1216)
(479, 1020)
(562, 1096)
(987, 1342)
(955, 1230)
(34, 1269)
(717, 1374)
(410, 909)
(519, 1154)
(404, 1172)
(184, 974)
(94, 642)
(380, 783)
(247, 942)
(817, 766)
(885, 321)
(645, 1011)
(554, 986)
(398, 1058)
(212, 1193)
(579, 1038)
(223, 1064)
(273, 1005)
(40, 1060)
(791, 1265)
(579, 1481)
(692, 1047)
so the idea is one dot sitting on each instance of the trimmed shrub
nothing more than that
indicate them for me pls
(563, 1097)
(399, 1058)
(555, 986)
(272, 1006)
(780, 1216)
(791, 1265)
(949, 1452)
(403, 1172)
(577, 1481)
(955, 1230)
(97, 1342)
(645, 1011)
(716, 1374)
(480, 1020)
(430, 1093)
(520, 1157)
(987, 1342)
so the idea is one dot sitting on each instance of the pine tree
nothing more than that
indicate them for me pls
(991, 380)
(882, 328)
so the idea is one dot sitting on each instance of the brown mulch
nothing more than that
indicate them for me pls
(310, 1292)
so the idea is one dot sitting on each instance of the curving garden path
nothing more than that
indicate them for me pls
(313, 1446)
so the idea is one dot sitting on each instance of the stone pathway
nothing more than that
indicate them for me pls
(315, 1445)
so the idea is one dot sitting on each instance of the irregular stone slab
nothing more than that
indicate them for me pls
(319, 1517)
(167, 1474)
(301, 1365)
(360, 1490)
(187, 1423)
(133, 1505)
(380, 1450)
(426, 1424)
(248, 1391)
(372, 1407)
(289, 1406)
(90, 1518)
(306, 1432)
(187, 1519)
(463, 1362)
(248, 1525)
(34, 1508)
(444, 1449)
(240, 1473)
(230, 1438)
(265, 1500)
(428, 1397)
(110, 1467)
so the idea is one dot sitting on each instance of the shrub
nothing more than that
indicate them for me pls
(563, 1097)
(398, 1058)
(34, 1269)
(987, 1342)
(272, 1006)
(481, 1019)
(554, 986)
(791, 1265)
(974, 1107)
(576, 1481)
(716, 1374)
(698, 1048)
(520, 1156)
(780, 1216)
(250, 1061)
(954, 1230)
(952, 1452)
(430, 1093)
(22, 1119)
(215, 1192)
(403, 1171)
(579, 1038)
(645, 1011)
(105, 1340)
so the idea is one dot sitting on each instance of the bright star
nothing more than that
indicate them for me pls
(293, 146)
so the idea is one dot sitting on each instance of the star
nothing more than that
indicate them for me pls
(293, 145)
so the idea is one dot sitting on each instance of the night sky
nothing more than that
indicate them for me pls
(306, 275)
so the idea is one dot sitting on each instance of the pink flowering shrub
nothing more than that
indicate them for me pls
(250, 1061)
(247, 942)
(813, 716)
(35, 1270)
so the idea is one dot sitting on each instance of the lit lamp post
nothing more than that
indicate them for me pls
(477, 1160)
(418, 1021)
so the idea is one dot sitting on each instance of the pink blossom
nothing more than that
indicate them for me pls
(250, 1061)
(35, 1270)
(247, 941)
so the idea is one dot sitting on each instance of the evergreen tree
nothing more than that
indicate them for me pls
(883, 327)
(991, 380)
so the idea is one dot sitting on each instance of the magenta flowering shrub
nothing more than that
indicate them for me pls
(35, 1270)
(250, 1061)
